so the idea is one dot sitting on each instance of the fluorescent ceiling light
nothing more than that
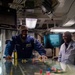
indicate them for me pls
(69, 23)
(31, 23)
(62, 30)
(0, 43)
(0, 70)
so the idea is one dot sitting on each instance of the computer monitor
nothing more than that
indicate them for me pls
(47, 41)
(56, 40)
(53, 40)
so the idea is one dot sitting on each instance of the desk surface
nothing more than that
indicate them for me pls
(29, 68)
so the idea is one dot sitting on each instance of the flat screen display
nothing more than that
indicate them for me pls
(53, 40)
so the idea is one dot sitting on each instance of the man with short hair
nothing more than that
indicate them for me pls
(24, 45)
(67, 49)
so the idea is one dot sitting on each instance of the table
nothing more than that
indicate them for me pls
(7, 67)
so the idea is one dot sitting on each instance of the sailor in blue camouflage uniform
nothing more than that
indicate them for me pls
(24, 45)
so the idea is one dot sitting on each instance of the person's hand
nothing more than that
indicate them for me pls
(42, 58)
(8, 57)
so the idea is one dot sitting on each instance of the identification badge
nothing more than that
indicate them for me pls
(28, 45)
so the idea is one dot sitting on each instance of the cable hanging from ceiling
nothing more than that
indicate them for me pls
(67, 11)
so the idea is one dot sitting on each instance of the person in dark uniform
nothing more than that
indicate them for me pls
(24, 45)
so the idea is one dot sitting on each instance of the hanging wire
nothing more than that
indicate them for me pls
(67, 11)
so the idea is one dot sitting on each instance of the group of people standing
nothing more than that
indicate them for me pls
(25, 44)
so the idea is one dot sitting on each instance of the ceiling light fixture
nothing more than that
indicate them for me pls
(0, 70)
(31, 23)
(62, 30)
(69, 23)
